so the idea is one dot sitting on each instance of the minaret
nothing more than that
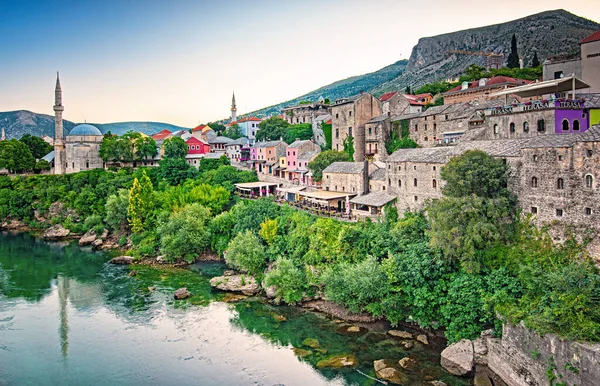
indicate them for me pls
(59, 142)
(3, 138)
(233, 109)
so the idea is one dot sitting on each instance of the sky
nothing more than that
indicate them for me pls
(179, 61)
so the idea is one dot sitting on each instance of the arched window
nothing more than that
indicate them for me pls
(541, 125)
(560, 183)
(565, 125)
(576, 125)
(535, 158)
(370, 131)
(399, 183)
(512, 127)
(415, 182)
(534, 182)
(525, 127)
(349, 113)
(496, 129)
(434, 183)
(87, 164)
(589, 181)
(337, 115)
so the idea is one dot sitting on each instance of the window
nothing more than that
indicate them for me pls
(558, 74)
(588, 152)
(399, 183)
(534, 182)
(512, 127)
(496, 129)
(383, 188)
(415, 182)
(416, 127)
(87, 164)
(588, 211)
(589, 181)
(416, 198)
(534, 210)
(446, 116)
(337, 133)
(434, 183)
(349, 113)
(434, 169)
(426, 139)
(426, 127)
(560, 157)
(434, 126)
(565, 125)
(337, 115)
(576, 125)
(414, 167)
(560, 183)
(370, 131)
(535, 158)
(541, 125)
(525, 127)
(349, 132)
(559, 212)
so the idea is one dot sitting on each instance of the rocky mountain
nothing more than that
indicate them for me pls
(548, 33)
(18, 123)
(342, 88)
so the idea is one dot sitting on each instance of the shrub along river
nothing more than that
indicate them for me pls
(69, 317)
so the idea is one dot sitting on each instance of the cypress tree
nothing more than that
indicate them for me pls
(513, 57)
(141, 199)
(535, 62)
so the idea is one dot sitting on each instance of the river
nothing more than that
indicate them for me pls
(69, 318)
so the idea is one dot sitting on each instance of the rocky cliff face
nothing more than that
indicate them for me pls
(548, 33)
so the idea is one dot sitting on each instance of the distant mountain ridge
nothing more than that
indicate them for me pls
(547, 33)
(21, 122)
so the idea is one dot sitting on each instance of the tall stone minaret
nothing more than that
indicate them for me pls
(233, 109)
(3, 138)
(59, 142)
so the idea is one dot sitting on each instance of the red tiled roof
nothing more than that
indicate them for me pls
(328, 122)
(500, 79)
(249, 119)
(199, 128)
(387, 96)
(162, 134)
(592, 38)
(425, 95)
(195, 140)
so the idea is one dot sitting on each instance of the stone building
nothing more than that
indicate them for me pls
(305, 113)
(377, 133)
(348, 177)
(480, 90)
(265, 155)
(318, 129)
(396, 103)
(349, 117)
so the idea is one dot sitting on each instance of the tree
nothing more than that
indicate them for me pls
(475, 173)
(141, 204)
(185, 235)
(108, 148)
(38, 147)
(348, 144)
(116, 210)
(233, 132)
(219, 128)
(176, 170)
(245, 252)
(302, 131)
(513, 57)
(145, 147)
(175, 148)
(325, 159)
(15, 156)
(535, 62)
(474, 72)
(42, 165)
(289, 280)
(407, 90)
(272, 129)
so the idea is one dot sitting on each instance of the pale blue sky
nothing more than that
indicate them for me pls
(178, 61)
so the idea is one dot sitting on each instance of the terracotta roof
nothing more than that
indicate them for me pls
(162, 134)
(493, 81)
(254, 119)
(387, 96)
(592, 38)
(199, 128)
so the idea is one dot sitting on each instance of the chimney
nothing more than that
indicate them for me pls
(366, 177)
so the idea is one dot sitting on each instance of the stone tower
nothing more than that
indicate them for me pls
(59, 141)
(3, 138)
(233, 109)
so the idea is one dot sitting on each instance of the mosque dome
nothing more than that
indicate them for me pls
(86, 129)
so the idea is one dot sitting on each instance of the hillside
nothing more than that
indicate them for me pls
(342, 88)
(549, 33)
(18, 123)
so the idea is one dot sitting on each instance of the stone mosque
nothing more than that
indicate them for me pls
(79, 150)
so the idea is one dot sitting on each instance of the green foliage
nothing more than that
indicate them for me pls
(324, 159)
(348, 144)
(475, 173)
(268, 231)
(145, 148)
(116, 210)
(474, 71)
(94, 222)
(245, 252)
(38, 147)
(302, 131)
(291, 281)
(141, 204)
(175, 148)
(327, 130)
(42, 165)
(233, 131)
(535, 62)
(129, 147)
(15, 156)
(213, 197)
(175, 170)
(218, 128)
(207, 164)
(513, 58)
(186, 234)
(226, 176)
(435, 88)
(400, 140)
(272, 129)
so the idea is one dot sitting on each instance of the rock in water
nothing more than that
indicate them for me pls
(56, 232)
(458, 358)
(97, 243)
(182, 293)
(236, 283)
(88, 238)
(133, 273)
(422, 338)
(301, 353)
(122, 260)
(400, 334)
(338, 361)
(385, 369)
(311, 342)
(407, 363)
(353, 329)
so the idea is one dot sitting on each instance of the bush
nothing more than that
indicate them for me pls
(289, 280)
(94, 222)
(185, 234)
(246, 253)
(116, 210)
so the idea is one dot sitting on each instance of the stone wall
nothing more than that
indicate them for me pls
(523, 358)
(82, 153)
(343, 182)
(413, 183)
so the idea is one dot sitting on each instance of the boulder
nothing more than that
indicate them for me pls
(458, 358)
(132, 273)
(104, 234)
(400, 334)
(385, 369)
(122, 260)
(236, 283)
(311, 342)
(407, 344)
(182, 293)
(423, 339)
(480, 349)
(12, 225)
(88, 238)
(271, 292)
(338, 361)
(56, 232)
(482, 380)
(233, 298)
(407, 363)
(353, 329)
(97, 243)
(301, 353)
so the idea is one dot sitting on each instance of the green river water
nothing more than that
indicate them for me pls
(69, 318)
